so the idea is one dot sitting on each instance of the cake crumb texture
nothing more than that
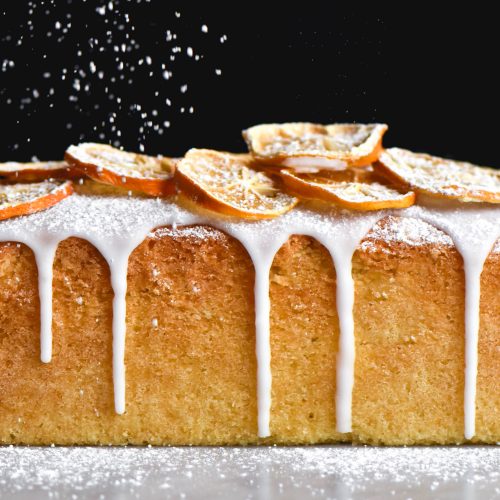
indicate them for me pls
(190, 362)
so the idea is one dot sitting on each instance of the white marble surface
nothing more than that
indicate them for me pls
(339, 472)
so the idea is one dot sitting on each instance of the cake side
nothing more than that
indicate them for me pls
(304, 343)
(488, 381)
(190, 348)
(410, 341)
(191, 375)
(70, 400)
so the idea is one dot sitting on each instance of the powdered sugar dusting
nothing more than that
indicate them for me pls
(99, 217)
(341, 472)
(496, 248)
(193, 233)
(472, 226)
(119, 52)
(406, 230)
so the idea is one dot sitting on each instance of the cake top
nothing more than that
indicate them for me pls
(342, 167)
(409, 231)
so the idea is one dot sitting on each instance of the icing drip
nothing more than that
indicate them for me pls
(44, 257)
(262, 258)
(263, 346)
(116, 226)
(345, 357)
(118, 267)
(340, 232)
(472, 305)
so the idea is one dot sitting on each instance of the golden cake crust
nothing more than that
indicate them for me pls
(191, 374)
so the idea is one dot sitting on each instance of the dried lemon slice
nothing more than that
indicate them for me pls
(300, 145)
(24, 199)
(148, 174)
(354, 190)
(227, 183)
(441, 177)
(36, 171)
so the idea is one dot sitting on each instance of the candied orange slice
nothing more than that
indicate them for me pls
(148, 174)
(37, 171)
(229, 184)
(300, 145)
(348, 189)
(24, 199)
(440, 177)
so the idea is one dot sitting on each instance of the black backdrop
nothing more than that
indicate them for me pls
(430, 74)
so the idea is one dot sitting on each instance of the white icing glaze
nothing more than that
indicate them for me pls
(116, 226)
(312, 163)
(44, 256)
(262, 264)
(118, 270)
(410, 232)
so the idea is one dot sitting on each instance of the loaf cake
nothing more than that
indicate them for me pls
(317, 289)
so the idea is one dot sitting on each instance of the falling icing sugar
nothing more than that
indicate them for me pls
(116, 226)
(96, 75)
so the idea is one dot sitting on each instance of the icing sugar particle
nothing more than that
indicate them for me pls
(103, 68)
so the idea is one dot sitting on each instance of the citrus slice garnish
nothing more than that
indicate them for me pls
(36, 171)
(228, 183)
(149, 174)
(440, 177)
(354, 190)
(24, 199)
(300, 145)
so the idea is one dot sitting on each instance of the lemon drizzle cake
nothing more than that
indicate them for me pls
(118, 225)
